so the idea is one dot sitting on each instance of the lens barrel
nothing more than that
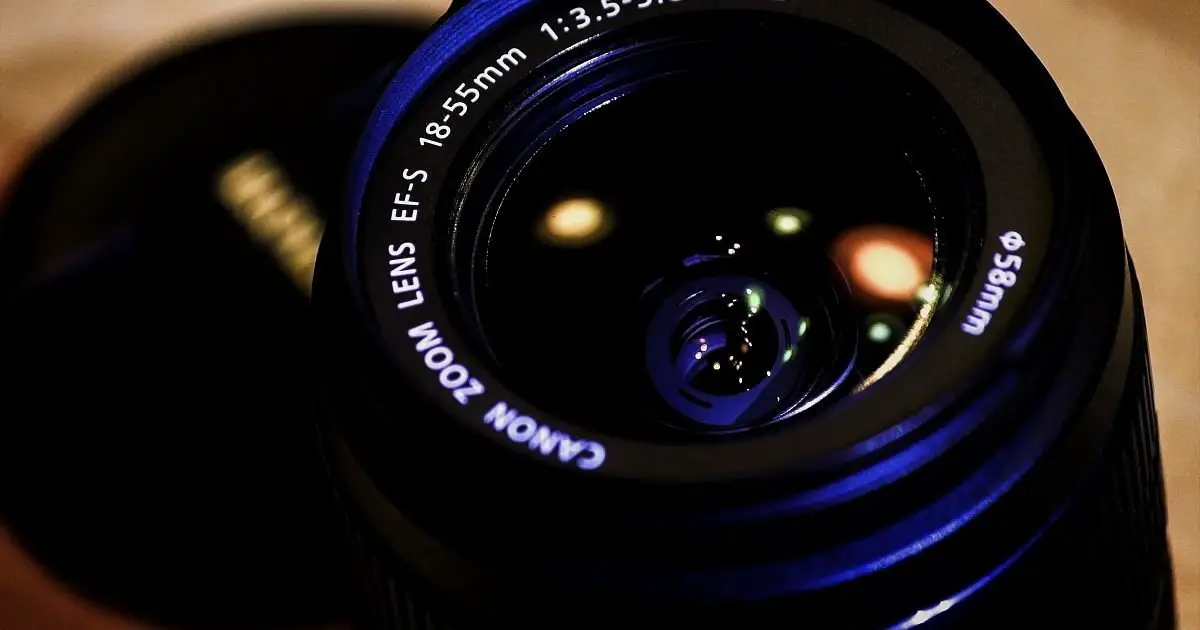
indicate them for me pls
(516, 449)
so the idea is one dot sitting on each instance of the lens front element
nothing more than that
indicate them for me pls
(697, 232)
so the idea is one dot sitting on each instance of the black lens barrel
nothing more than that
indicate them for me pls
(1005, 475)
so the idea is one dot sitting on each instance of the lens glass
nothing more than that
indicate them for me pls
(712, 229)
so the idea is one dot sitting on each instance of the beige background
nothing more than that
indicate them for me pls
(1130, 68)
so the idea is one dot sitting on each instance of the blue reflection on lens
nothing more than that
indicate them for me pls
(921, 617)
(724, 352)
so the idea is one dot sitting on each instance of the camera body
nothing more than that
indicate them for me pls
(1005, 472)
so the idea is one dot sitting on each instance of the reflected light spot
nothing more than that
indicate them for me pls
(804, 323)
(575, 222)
(888, 270)
(787, 221)
(885, 263)
(879, 332)
(924, 616)
(927, 293)
(754, 300)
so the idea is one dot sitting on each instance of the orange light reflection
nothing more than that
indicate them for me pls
(884, 262)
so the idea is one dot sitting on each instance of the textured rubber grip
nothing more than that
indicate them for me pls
(386, 599)
(1104, 563)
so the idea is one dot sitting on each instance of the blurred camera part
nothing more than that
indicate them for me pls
(162, 431)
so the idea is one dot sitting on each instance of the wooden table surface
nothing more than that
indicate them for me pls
(1130, 68)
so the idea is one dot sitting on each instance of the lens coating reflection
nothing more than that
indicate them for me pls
(885, 262)
(576, 222)
(718, 265)
(788, 221)
(736, 351)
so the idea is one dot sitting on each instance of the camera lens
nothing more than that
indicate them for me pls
(723, 264)
(738, 313)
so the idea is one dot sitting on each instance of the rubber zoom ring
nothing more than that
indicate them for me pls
(1105, 562)
(1102, 564)
(384, 597)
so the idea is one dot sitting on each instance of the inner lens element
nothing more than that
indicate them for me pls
(727, 350)
(711, 229)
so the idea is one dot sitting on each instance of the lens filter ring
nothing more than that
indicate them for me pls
(394, 239)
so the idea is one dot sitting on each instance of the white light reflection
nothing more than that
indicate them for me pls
(923, 616)
(879, 332)
(928, 293)
(788, 221)
(924, 316)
